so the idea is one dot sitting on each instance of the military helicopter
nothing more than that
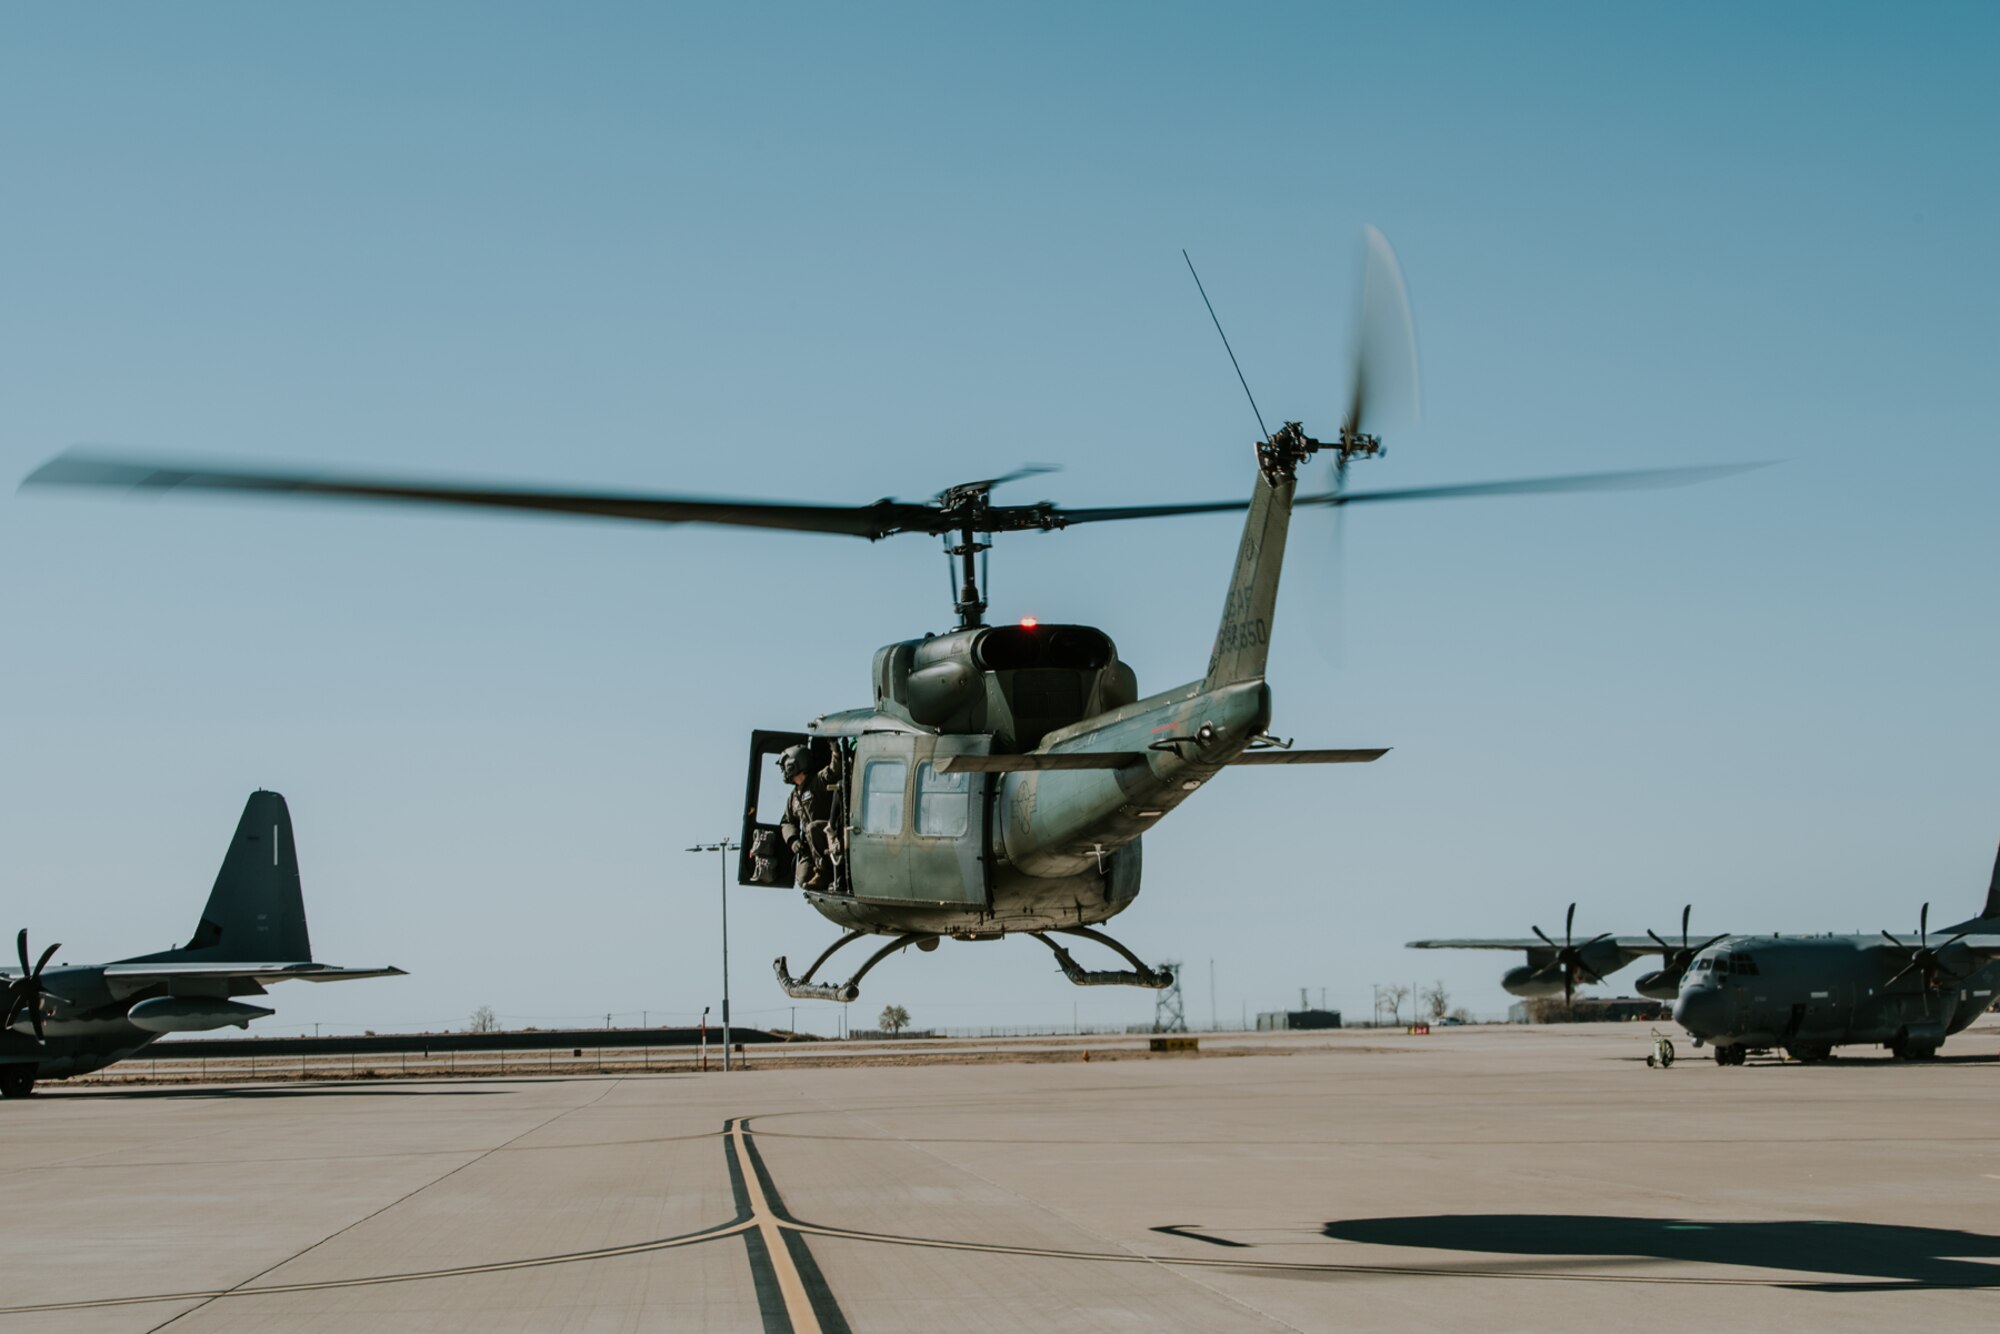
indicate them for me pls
(1002, 777)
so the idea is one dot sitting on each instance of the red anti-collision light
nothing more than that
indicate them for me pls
(1029, 622)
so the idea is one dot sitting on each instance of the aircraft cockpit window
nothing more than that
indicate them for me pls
(882, 796)
(1742, 965)
(941, 802)
(1703, 965)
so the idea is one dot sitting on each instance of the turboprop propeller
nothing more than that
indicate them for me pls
(1569, 964)
(26, 991)
(1925, 960)
(1665, 982)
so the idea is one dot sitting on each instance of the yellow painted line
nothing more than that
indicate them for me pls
(798, 1306)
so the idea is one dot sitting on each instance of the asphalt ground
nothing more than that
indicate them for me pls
(1479, 1179)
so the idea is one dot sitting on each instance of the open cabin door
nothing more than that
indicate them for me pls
(764, 858)
(919, 835)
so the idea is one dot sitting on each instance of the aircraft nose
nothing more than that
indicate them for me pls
(1698, 1011)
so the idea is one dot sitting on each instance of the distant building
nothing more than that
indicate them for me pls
(1273, 1020)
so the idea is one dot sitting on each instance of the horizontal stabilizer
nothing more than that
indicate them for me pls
(1310, 756)
(1010, 764)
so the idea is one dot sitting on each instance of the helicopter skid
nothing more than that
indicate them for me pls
(806, 989)
(1138, 975)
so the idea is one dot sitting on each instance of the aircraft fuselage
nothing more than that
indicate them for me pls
(1810, 994)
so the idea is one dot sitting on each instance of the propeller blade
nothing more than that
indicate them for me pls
(1924, 926)
(1568, 922)
(1385, 339)
(1665, 948)
(35, 1018)
(47, 954)
(1026, 470)
(1907, 969)
(21, 944)
(1686, 912)
(83, 468)
(1545, 937)
(1643, 479)
(884, 518)
(1712, 940)
(1897, 943)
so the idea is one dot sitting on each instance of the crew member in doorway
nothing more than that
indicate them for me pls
(806, 828)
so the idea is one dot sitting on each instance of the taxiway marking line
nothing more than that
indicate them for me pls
(791, 1286)
(372, 1280)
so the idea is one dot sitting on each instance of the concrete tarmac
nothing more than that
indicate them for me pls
(1478, 1179)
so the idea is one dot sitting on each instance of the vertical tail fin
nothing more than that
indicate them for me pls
(1992, 908)
(1243, 640)
(256, 913)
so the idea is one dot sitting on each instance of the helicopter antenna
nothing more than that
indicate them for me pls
(1262, 430)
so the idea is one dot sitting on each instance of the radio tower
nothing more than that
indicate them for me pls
(1167, 1015)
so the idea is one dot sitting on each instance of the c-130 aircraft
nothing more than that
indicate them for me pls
(77, 1018)
(1802, 994)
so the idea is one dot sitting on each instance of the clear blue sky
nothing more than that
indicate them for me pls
(856, 251)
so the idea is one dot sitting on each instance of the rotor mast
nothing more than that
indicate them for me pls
(971, 604)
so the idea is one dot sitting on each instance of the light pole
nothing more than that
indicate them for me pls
(724, 848)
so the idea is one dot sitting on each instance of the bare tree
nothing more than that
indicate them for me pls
(483, 1021)
(894, 1019)
(1435, 1001)
(1393, 997)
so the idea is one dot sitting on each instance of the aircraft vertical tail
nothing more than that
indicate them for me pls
(256, 912)
(1243, 639)
(1992, 908)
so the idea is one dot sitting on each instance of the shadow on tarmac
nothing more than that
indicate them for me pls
(1903, 1257)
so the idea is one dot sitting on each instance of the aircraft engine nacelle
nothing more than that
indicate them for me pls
(1528, 980)
(192, 1014)
(1661, 985)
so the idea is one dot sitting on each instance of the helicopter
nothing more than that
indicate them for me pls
(1002, 778)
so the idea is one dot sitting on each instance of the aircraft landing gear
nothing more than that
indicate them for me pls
(806, 989)
(16, 1081)
(1139, 975)
(1906, 1048)
(1731, 1054)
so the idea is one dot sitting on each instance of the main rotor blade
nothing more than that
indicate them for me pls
(82, 468)
(1644, 479)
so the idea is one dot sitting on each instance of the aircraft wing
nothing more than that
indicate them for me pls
(261, 972)
(1624, 944)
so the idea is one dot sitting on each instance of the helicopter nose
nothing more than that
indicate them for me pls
(1699, 1011)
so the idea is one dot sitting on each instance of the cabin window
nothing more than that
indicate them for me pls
(941, 802)
(882, 796)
